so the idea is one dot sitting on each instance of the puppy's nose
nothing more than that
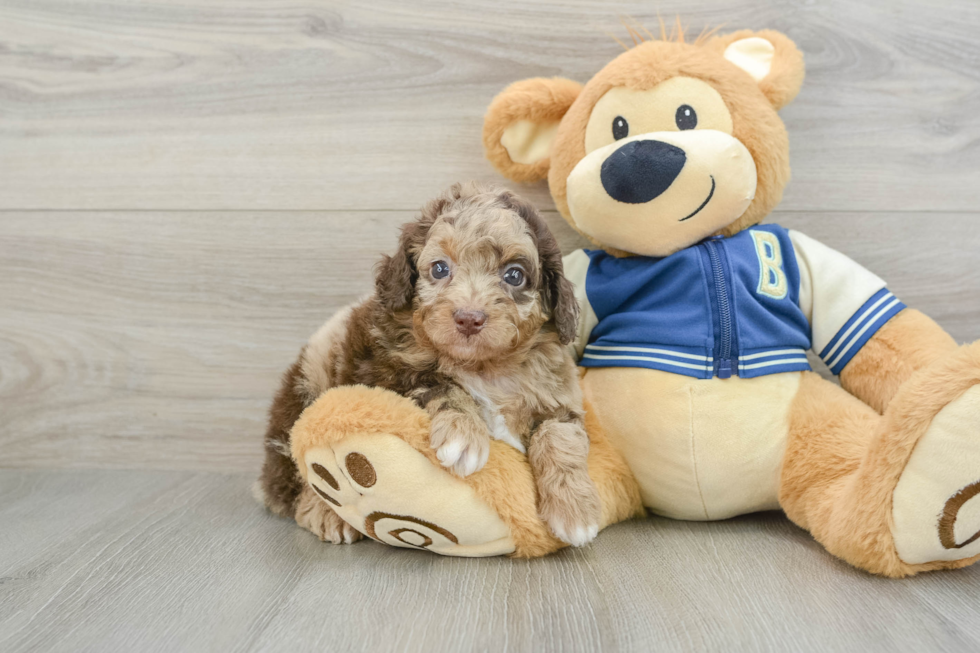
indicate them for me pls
(469, 322)
(641, 170)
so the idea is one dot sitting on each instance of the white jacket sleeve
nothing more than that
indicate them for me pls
(844, 303)
(576, 267)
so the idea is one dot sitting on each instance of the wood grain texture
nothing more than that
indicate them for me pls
(180, 561)
(156, 340)
(286, 104)
(187, 190)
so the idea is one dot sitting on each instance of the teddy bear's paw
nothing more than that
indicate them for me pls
(313, 514)
(572, 509)
(936, 503)
(461, 441)
(382, 487)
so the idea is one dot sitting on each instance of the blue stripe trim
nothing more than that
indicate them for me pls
(876, 300)
(860, 329)
(700, 366)
(688, 354)
(774, 363)
(696, 369)
(750, 356)
(756, 362)
(780, 365)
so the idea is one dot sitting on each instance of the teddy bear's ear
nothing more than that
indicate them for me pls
(769, 57)
(521, 124)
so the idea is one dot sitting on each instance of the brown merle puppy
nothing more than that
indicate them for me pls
(470, 318)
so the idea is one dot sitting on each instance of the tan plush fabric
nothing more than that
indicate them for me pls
(392, 493)
(652, 228)
(785, 77)
(504, 486)
(700, 449)
(908, 342)
(873, 474)
(753, 113)
(843, 461)
(942, 470)
(541, 101)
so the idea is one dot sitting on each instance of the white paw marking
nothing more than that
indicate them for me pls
(577, 535)
(491, 413)
(450, 452)
(462, 459)
(349, 534)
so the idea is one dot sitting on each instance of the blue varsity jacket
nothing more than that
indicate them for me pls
(747, 305)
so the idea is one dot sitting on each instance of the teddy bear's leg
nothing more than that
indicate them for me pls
(354, 450)
(896, 493)
(365, 451)
(908, 342)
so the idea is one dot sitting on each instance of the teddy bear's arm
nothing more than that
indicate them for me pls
(862, 331)
(908, 342)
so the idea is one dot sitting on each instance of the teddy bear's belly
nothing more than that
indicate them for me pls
(700, 449)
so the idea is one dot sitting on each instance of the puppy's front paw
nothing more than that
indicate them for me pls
(461, 441)
(571, 508)
(313, 514)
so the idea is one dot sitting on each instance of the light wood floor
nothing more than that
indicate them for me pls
(188, 189)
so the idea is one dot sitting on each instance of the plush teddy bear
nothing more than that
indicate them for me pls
(695, 324)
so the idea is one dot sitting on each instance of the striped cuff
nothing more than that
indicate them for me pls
(686, 361)
(858, 330)
(755, 363)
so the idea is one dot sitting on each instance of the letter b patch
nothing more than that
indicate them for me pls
(772, 279)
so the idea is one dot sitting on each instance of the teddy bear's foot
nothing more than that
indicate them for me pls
(936, 503)
(390, 492)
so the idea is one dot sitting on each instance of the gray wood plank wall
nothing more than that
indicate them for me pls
(156, 339)
(188, 190)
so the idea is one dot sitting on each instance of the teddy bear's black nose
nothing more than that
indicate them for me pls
(641, 170)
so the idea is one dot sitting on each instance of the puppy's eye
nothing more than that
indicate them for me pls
(514, 276)
(440, 270)
(686, 117)
(621, 128)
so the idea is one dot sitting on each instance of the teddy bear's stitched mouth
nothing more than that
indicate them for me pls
(711, 194)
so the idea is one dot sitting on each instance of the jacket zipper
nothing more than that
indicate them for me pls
(726, 363)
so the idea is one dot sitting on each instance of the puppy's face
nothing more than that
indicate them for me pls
(482, 273)
(479, 287)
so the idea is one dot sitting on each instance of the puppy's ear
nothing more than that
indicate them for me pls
(396, 275)
(558, 292)
(561, 294)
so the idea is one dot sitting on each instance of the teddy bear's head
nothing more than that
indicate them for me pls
(670, 143)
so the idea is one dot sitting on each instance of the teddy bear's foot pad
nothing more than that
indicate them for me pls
(936, 503)
(390, 492)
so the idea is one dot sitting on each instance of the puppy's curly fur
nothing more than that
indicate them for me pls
(470, 318)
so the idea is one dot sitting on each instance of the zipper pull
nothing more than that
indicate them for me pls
(725, 369)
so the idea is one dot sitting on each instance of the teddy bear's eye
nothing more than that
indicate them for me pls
(685, 117)
(621, 128)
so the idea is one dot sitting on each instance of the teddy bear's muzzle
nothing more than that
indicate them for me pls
(641, 171)
(655, 193)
